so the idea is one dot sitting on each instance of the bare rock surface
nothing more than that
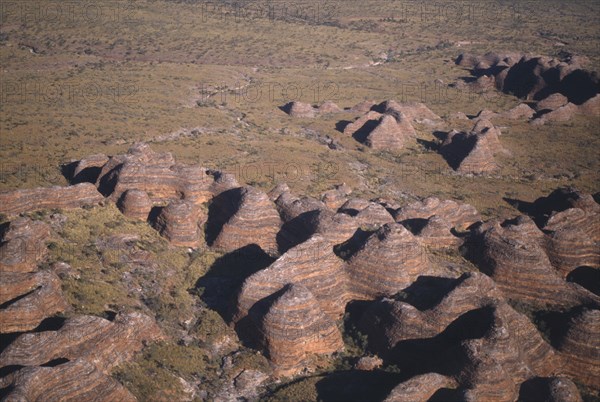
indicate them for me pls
(19, 201)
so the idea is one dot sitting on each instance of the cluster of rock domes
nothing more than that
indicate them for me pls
(561, 88)
(457, 335)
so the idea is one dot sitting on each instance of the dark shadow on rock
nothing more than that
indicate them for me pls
(286, 108)
(362, 133)
(580, 85)
(341, 125)
(107, 183)
(443, 353)
(447, 395)
(427, 291)
(348, 248)
(428, 145)
(458, 149)
(68, 170)
(154, 213)
(554, 324)
(226, 275)
(220, 211)
(249, 328)
(55, 362)
(586, 277)
(521, 79)
(534, 390)
(359, 386)
(414, 225)
(541, 209)
(296, 231)
(87, 175)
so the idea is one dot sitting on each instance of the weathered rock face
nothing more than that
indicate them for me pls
(181, 223)
(155, 173)
(80, 356)
(74, 380)
(420, 388)
(96, 340)
(135, 204)
(337, 196)
(552, 102)
(299, 109)
(458, 215)
(580, 348)
(27, 299)
(278, 190)
(251, 218)
(512, 253)
(311, 264)
(386, 135)
(23, 245)
(387, 262)
(573, 240)
(437, 234)
(472, 152)
(294, 327)
(298, 215)
(561, 114)
(19, 201)
(334, 227)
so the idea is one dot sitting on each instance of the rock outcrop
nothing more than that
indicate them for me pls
(552, 102)
(27, 299)
(580, 346)
(311, 264)
(519, 112)
(75, 361)
(337, 196)
(135, 204)
(294, 327)
(19, 201)
(573, 240)
(250, 218)
(513, 254)
(328, 107)
(181, 223)
(388, 130)
(23, 245)
(390, 260)
(472, 152)
(88, 169)
(300, 109)
(96, 340)
(420, 388)
(551, 389)
(74, 381)
(459, 215)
